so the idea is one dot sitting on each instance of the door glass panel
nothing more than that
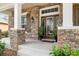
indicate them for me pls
(49, 25)
(43, 24)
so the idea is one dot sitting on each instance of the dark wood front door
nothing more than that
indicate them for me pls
(48, 26)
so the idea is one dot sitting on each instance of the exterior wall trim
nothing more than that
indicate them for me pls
(25, 13)
(17, 29)
(72, 27)
(67, 15)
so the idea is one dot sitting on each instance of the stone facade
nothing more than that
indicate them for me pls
(33, 13)
(70, 36)
(32, 19)
(17, 37)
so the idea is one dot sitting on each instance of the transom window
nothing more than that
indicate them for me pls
(49, 10)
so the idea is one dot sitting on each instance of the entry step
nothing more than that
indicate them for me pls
(49, 40)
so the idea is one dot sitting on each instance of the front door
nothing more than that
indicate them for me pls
(49, 24)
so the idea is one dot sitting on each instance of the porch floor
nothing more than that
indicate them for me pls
(32, 47)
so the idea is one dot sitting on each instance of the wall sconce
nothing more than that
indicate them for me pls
(32, 19)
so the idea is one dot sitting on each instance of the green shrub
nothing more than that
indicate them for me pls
(2, 48)
(75, 52)
(61, 51)
(66, 50)
(56, 51)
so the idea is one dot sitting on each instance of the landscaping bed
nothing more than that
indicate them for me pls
(9, 52)
(6, 51)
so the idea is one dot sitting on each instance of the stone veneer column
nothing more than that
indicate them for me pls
(17, 37)
(17, 34)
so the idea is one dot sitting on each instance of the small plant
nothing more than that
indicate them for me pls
(54, 34)
(75, 52)
(56, 51)
(61, 51)
(2, 48)
(40, 32)
(66, 49)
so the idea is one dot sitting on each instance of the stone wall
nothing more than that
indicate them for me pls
(33, 12)
(32, 27)
(70, 36)
(17, 37)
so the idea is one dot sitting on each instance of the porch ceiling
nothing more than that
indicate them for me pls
(5, 6)
(8, 8)
(27, 5)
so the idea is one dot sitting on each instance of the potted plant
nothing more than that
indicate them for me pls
(54, 34)
(40, 32)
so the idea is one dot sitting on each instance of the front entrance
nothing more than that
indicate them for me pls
(48, 24)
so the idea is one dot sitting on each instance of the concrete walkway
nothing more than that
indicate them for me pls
(34, 48)
(31, 47)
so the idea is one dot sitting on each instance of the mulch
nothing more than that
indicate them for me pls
(9, 52)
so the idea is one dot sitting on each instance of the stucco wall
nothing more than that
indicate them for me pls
(4, 27)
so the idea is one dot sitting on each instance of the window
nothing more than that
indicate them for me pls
(3, 18)
(55, 9)
(75, 14)
(23, 22)
(49, 10)
(43, 12)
